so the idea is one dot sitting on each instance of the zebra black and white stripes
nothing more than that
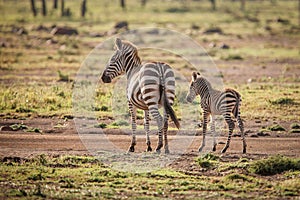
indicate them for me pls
(149, 86)
(214, 102)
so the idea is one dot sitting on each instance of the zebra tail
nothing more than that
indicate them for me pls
(169, 108)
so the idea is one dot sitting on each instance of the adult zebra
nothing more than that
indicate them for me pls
(214, 102)
(149, 86)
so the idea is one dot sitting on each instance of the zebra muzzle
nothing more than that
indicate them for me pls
(106, 79)
(189, 99)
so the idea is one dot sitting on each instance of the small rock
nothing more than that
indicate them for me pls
(195, 27)
(121, 25)
(6, 128)
(4, 44)
(254, 135)
(236, 135)
(212, 45)
(22, 31)
(51, 41)
(153, 32)
(283, 21)
(64, 31)
(224, 46)
(97, 35)
(41, 28)
(213, 30)
(262, 134)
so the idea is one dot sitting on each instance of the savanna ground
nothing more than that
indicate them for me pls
(256, 51)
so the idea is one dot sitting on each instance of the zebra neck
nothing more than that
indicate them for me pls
(132, 69)
(205, 92)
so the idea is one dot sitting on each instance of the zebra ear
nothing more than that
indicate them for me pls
(118, 43)
(194, 76)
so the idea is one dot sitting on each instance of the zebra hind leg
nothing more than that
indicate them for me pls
(231, 125)
(166, 118)
(241, 126)
(159, 120)
(147, 130)
(213, 130)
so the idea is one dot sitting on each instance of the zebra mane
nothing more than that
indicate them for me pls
(205, 82)
(128, 45)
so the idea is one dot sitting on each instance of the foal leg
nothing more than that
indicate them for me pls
(205, 118)
(132, 110)
(213, 130)
(230, 123)
(241, 126)
(147, 130)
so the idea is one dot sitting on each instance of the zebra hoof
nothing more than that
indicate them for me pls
(224, 150)
(244, 151)
(167, 151)
(158, 151)
(214, 148)
(200, 149)
(131, 149)
(149, 149)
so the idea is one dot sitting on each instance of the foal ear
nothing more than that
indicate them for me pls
(118, 43)
(194, 75)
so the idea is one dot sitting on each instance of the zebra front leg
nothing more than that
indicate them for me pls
(213, 130)
(230, 127)
(147, 130)
(166, 125)
(241, 126)
(132, 111)
(205, 118)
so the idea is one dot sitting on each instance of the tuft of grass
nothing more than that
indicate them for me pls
(120, 123)
(17, 127)
(233, 57)
(100, 125)
(295, 126)
(236, 176)
(274, 165)
(63, 77)
(276, 127)
(294, 131)
(34, 130)
(283, 101)
(208, 160)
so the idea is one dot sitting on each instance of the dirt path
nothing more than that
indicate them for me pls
(21, 144)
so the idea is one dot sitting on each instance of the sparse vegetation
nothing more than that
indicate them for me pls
(59, 177)
(274, 165)
(208, 160)
(38, 71)
(276, 127)
(283, 101)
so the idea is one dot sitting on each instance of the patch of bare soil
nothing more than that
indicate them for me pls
(64, 140)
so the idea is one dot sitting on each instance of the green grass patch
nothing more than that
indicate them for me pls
(276, 127)
(85, 177)
(208, 160)
(100, 125)
(283, 101)
(274, 165)
(119, 123)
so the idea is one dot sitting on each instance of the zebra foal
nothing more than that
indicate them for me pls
(214, 102)
(149, 87)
